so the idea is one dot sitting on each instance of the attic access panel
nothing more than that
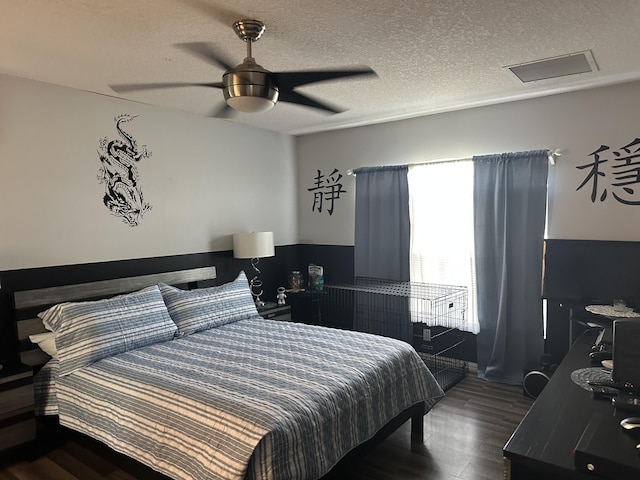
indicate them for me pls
(572, 64)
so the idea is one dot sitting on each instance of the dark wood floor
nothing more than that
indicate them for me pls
(464, 435)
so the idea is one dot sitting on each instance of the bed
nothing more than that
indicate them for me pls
(196, 385)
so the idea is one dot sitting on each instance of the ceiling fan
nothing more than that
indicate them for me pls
(248, 87)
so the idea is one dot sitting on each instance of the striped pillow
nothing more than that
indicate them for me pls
(85, 332)
(204, 308)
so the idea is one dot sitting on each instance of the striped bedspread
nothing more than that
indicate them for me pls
(255, 399)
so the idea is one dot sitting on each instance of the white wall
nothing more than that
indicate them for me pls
(206, 179)
(578, 123)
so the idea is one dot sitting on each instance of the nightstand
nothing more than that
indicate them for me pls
(17, 420)
(306, 306)
(273, 311)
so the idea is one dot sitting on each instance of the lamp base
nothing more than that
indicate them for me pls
(255, 286)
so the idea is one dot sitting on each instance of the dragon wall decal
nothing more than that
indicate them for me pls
(123, 195)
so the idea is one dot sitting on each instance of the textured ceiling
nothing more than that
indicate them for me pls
(430, 55)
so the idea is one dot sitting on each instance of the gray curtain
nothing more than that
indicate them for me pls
(381, 249)
(510, 194)
(382, 223)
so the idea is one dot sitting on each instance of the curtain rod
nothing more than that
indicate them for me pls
(552, 153)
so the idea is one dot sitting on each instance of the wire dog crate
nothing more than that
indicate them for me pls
(428, 316)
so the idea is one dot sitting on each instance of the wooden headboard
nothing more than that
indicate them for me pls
(29, 303)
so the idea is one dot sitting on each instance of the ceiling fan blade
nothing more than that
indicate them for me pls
(206, 52)
(294, 97)
(291, 80)
(135, 87)
(222, 111)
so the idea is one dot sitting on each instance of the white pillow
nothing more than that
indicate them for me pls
(46, 342)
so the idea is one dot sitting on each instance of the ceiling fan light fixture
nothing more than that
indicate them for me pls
(250, 103)
(248, 88)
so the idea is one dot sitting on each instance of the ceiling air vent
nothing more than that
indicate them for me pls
(572, 64)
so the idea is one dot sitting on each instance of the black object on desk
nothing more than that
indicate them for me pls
(543, 445)
(629, 403)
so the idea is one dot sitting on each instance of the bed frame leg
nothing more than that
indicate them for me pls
(417, 428)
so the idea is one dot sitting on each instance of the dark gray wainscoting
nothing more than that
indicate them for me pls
(337, 261)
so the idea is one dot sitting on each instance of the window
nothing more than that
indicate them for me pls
(442, 231)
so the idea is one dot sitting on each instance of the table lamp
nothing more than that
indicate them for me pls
(254, 245)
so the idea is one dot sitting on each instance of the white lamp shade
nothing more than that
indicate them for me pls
(253, 245)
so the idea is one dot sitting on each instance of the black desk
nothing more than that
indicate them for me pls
(542, 445)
